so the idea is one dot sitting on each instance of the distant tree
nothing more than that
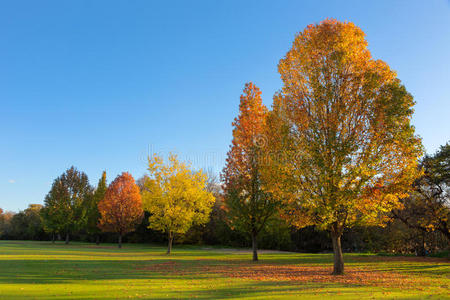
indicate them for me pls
(27, 224)
(121, 208)
(1, 221)
(175, 196)
(428, 207)
(93, 215)
(249, 207)
(141, 182)
(35, 228)
(65, 205)
(5, 220)
(351, 150)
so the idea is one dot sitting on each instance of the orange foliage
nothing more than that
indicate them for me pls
(353, 151)
(121, 209)
(248, 139)
(249, 207)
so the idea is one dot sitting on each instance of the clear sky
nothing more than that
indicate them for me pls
(101, 84)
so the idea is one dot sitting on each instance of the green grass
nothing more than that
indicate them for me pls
(40, 270)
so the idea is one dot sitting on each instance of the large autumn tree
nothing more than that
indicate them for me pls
(249, 207)
(175, 196)
(349, 150)
(65, 205)
(93, 214)
(121, 208)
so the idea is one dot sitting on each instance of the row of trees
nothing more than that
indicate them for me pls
(175, 196)
(25, 225)
(395, 237)
(421, 226)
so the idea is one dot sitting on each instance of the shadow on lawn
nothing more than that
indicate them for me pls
(237, 290)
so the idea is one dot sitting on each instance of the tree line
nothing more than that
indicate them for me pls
(336, 152)
(175, 197)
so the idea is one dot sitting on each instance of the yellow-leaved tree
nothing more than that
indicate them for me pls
(342, 123)
(175, 196)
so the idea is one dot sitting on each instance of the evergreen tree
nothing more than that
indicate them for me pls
(93, 215)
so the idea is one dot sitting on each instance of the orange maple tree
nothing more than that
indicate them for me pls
(248, 205)
(121, 209)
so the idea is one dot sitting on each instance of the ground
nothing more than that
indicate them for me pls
(41, 270)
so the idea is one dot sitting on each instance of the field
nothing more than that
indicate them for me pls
(40, 270)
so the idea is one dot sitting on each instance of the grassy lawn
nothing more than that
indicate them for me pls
(40, 270)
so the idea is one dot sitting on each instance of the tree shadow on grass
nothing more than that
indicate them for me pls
(432, 269)
(189, 278)
(243, 289)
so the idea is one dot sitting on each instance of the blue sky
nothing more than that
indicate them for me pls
(101, 84)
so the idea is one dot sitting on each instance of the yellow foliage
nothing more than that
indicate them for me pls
(175, 196)
(342, 125)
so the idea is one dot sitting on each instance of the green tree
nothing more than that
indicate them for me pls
(5, 223)
(175, 196)
(27, 224)
(65, 205)
(93, 215)
(428, 207)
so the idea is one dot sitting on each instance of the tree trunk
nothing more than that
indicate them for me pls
(67, 238)
(254, 247)
(97, 239)
(120, 240)
(169, 247)
(53, 238)
(423, 250)
(338, 268)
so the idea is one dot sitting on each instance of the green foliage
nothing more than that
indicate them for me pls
(93, 215)
(65, 205)
(25, 225)
(428, 207)
(276, 235)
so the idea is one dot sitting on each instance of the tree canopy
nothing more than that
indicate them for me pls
(121, 208)
(428, 207)
(175, 196)
(248, 205)
(65, 205)
(353, 151)
(93, 214)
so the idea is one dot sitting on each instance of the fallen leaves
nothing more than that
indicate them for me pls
(322, 274)
(295, 273)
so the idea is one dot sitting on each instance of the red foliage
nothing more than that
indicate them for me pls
(121, 209)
